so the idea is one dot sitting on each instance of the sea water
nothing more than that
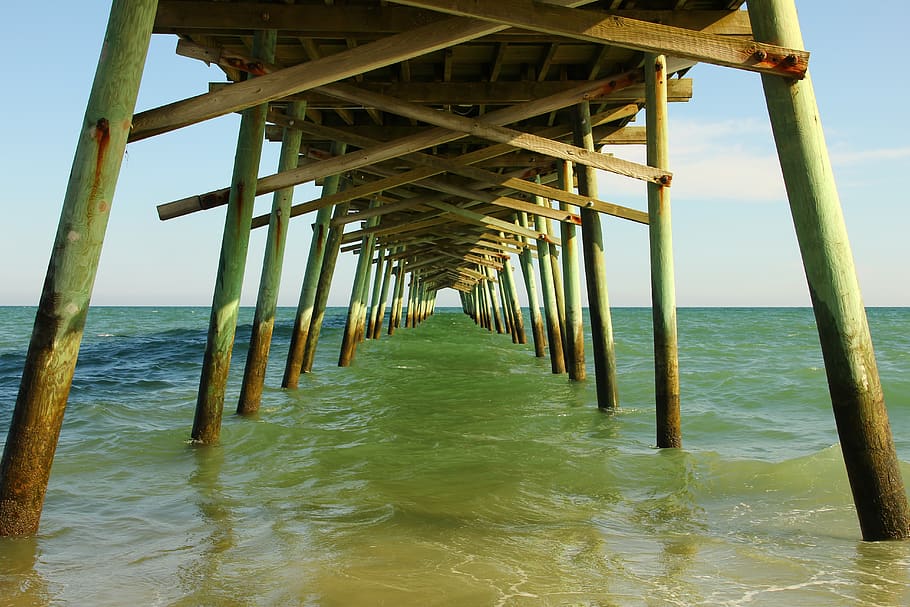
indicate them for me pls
(448, 466)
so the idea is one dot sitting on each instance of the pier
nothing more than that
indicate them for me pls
(456, 144)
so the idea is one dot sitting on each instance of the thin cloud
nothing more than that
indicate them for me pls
(729, 161)
(844, 156)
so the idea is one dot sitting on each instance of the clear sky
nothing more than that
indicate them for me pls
(733, 240)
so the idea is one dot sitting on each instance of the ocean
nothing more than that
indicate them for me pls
(448, 466)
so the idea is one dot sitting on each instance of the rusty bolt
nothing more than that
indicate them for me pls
(760, 55)
(791, 60)
(665, 180)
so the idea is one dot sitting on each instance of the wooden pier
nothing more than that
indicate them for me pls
(452, 139)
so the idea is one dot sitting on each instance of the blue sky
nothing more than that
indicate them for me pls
(733, 240)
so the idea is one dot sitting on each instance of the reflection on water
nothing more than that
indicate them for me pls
(201, 579)
(882, 574)
(20, 582)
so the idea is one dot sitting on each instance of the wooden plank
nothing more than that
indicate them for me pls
(638, 35)
(488, 130)
(444, 93)
(276, 85)
(484, 220)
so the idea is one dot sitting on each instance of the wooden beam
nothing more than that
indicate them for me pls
(492, 132)
(460, 167)
(466, 93)
(435, 36)
(395, 148)
(603, 28)
(485, 220)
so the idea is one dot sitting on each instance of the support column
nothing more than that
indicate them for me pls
(378, 281)
(853, 380)
(527, 272)
(257, 358)
(518, 324)
(487, 295)
(216, 363)
(505, 305)
(384, 296)
(349, 338)
(548, 287)
(412, 298)
(323, 286)
(575, 331)
(663, 290)
(307, 300)
(494, 299)
(59, 323)
(398, 299)
(596, 272)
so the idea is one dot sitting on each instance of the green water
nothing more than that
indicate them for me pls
(449, 467)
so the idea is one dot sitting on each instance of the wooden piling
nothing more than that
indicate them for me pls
(527, 272)
(257, 357)
(234, 244)
(307, 301)
(663, 291)
(505, 305)
(853, 380)
(548, 288)
(518, 324)
(575, 336)
(397, 299)
(492, 284)
(384, 297)
(487, 294)
(349, 338)
(323, 286)
(379, 275)
(60, 320)
(596, 272)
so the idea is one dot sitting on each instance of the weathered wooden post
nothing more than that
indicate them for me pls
(505, 306)
(378, 281)
(355, 308)
(517, 319)
(384, 294)
(596, 272)
(397, 299)
(548, 287)
(494, 299)
(575, 335)
(60, 321)
(663, 291)
(323, 286)
(487, 296)
(307, 300)
(527, 272)
(559, 286)
(235, 241)
(257, 358)
(853, 380)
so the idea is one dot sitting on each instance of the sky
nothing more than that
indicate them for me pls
(734, 243)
